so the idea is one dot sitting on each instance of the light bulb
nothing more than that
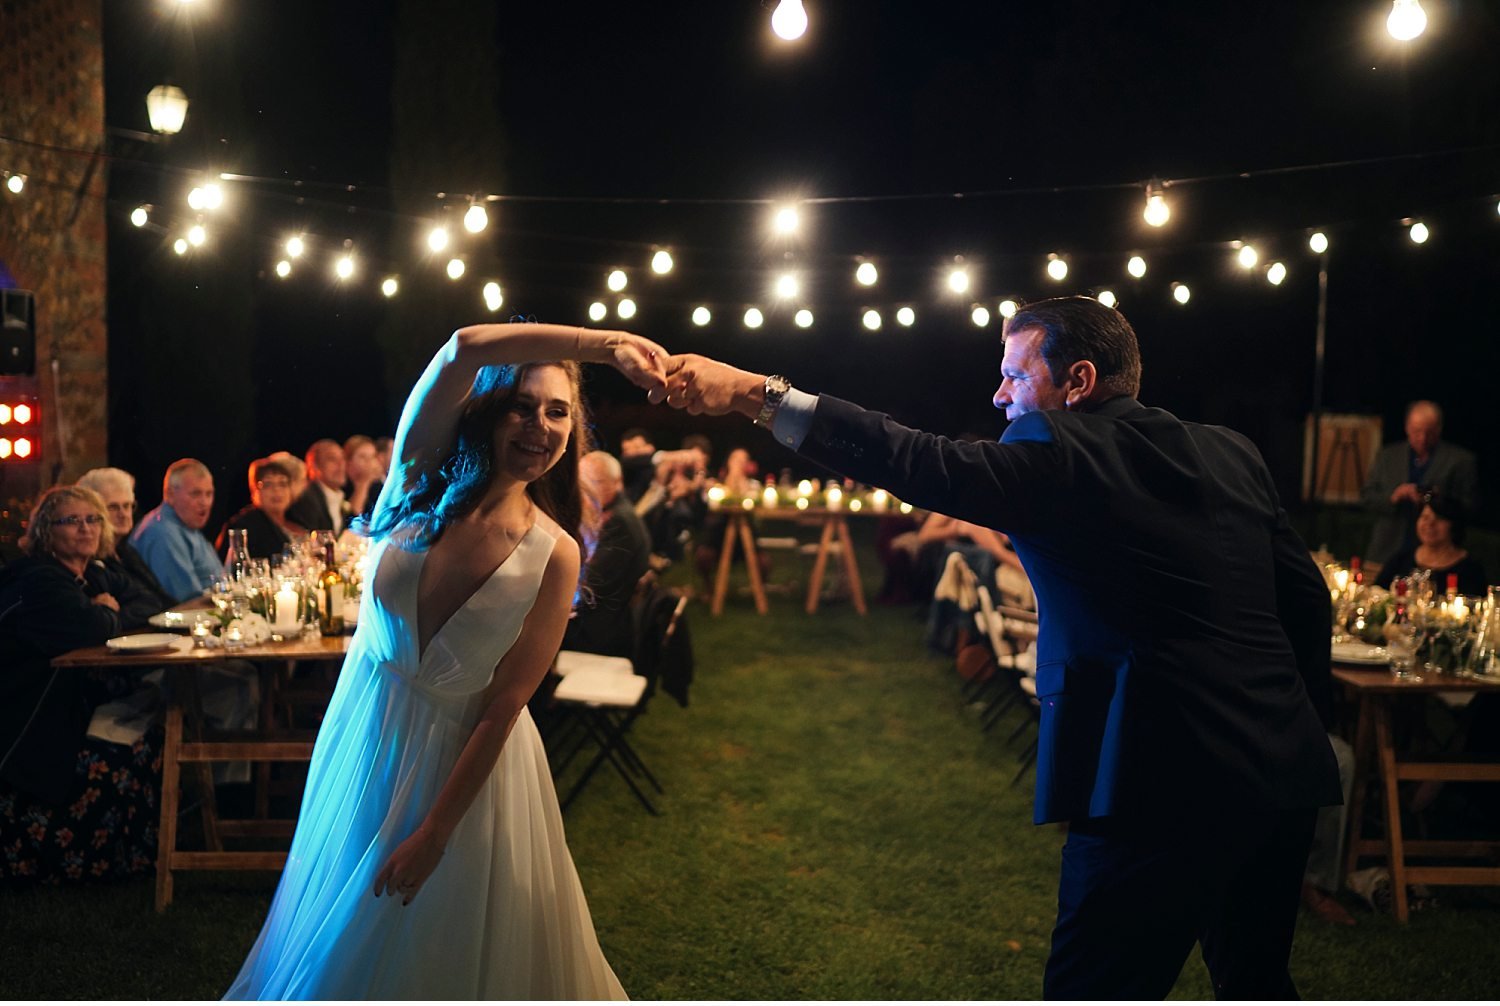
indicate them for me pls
(196, 235)
(803, 318)
(295, 246)
(872, 320)
(16, 183)
(476, 219)
(1057, 267)
(455, 268)
(389, 286)
(702, 316)
(1157, 212)
(789, 20)
(786, 220)
(437, 238)
(139, 216)
(1008, 308)
(906, 317)
(958, 281)
(1136, 266)
(283, 269)
(661, 263)
(597, 311)
(866, 274)
(195, 198)
(213, 196)
(1107, 298)
(980, 316)
(180, 246)
(1181, 293)
(1407, 20)
(344, 267)
(1419, 233)
(1248, 256)
(626, 308)
(1318, 242)
(787, 286)
(1275, 274)
(753, 318)
(493, 297)
(616, 281)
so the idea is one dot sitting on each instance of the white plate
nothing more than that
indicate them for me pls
(145, 642)
(179, 619)
(1360, 653)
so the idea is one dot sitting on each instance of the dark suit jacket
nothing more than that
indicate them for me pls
(310, 509)
(1183, 655)
(603, 623)
(1452, 472)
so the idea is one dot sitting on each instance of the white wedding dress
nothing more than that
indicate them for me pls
(503, 916)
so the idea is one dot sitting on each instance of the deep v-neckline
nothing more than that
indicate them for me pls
(417, 592)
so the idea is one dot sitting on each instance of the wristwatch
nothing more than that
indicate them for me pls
(776, 389)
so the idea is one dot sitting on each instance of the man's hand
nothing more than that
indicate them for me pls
(1406, 492)
(642, 361)
(708, 387)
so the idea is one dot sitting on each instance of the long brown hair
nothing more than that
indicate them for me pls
(455, 486)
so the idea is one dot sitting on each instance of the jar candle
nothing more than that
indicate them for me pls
(286, 619)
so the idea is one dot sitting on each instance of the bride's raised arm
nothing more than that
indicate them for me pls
(430, 416)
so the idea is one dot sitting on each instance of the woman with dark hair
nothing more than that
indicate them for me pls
(429, 860)
(1439, 550)
(72, 807)
(265, 518)
(363, 469)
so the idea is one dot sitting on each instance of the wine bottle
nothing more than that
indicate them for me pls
(331, 595)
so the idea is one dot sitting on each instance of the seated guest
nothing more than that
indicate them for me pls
(117, 488)
(322, 506)
(366, 476)
(265, 518)
(72, 808)
(621, 558)
(638, 461)
(170, 538)
(737, 477)
(1439, 550)
(679, 507)
(295, 467)
(383, 446)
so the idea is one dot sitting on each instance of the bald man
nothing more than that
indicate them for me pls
(621, 558)
(1406, 471)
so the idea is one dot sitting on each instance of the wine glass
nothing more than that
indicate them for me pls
(1401, 639)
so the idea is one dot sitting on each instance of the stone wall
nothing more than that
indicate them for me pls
(52, 235)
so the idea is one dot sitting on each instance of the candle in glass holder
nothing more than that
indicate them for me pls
(715, 497)
(855, 504)
(748, 503)
(768, 496)
(287, 619)
(801, 502)
(879, 499)
(202, 629)
(804, 488)
(835, 497)
(234, 636)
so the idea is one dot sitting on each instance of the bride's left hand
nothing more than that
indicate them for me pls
(641, 360)
(409, 866)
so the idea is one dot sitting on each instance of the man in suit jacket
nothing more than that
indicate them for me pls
(1183, 656)
(321, 506)
(619, 560)
(1406, 471)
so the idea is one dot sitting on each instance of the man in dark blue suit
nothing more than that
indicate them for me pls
(1183, 657)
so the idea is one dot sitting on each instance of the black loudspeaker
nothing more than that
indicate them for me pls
(17, 332)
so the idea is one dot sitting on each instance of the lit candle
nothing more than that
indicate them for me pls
(234, 636)
(854, 505)
(1341, 579)
(768, 496)
(801, 502)
(835, 497)
(804, 488)
(748, 502)
(906, 508)
(715, 497)
(286, 609)
(880, 499)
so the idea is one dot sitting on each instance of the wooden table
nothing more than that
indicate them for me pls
(835, 524)
(1377, 692)
(186, 743)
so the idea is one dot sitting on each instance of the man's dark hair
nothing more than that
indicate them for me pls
(637, 431)
(1081, 328)
(699, 441)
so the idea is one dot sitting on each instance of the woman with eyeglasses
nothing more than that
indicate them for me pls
(72, 808)
(265, 518)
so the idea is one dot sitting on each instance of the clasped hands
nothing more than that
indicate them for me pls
(691, 382)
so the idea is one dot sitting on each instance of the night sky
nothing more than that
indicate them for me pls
(1047, 116)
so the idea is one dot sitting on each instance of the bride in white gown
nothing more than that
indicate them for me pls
(429, 859)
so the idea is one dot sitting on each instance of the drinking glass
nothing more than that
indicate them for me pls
(1401, 639)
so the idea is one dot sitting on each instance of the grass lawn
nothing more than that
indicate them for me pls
(835, 826)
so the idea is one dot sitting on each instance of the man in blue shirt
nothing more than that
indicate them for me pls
(170, 538)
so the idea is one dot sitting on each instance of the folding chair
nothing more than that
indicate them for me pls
(604, 696)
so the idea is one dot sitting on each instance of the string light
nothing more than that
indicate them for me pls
(803, 318)
(787, 286)
(980, 316)
(1406, 21)
(283, 269)
(702, 316)
(626, 308)
(139, 216)
(390, 286)
(1136, 266)
(196, 235)
(786, 220)
(1275, 273)
(616, 281)
(597, 311)
(753, 318)
(437, 239)
(661, 263)
(958, 280)
(1419, 233)
(455, 268)
(1057, 267)
(1156, 212)
(1107, 298)
(906, 317)
(295, 246)
(872, 320)
(1008, 308)
(789, 20)
(1248, 257)
(493, 297)
(866, 274)
(15, 182)
(1318, 242)
(1180, 293)
(344, 267)
(475, 220)
(180, 246)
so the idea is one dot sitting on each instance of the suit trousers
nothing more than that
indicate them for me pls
(1135, 895)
